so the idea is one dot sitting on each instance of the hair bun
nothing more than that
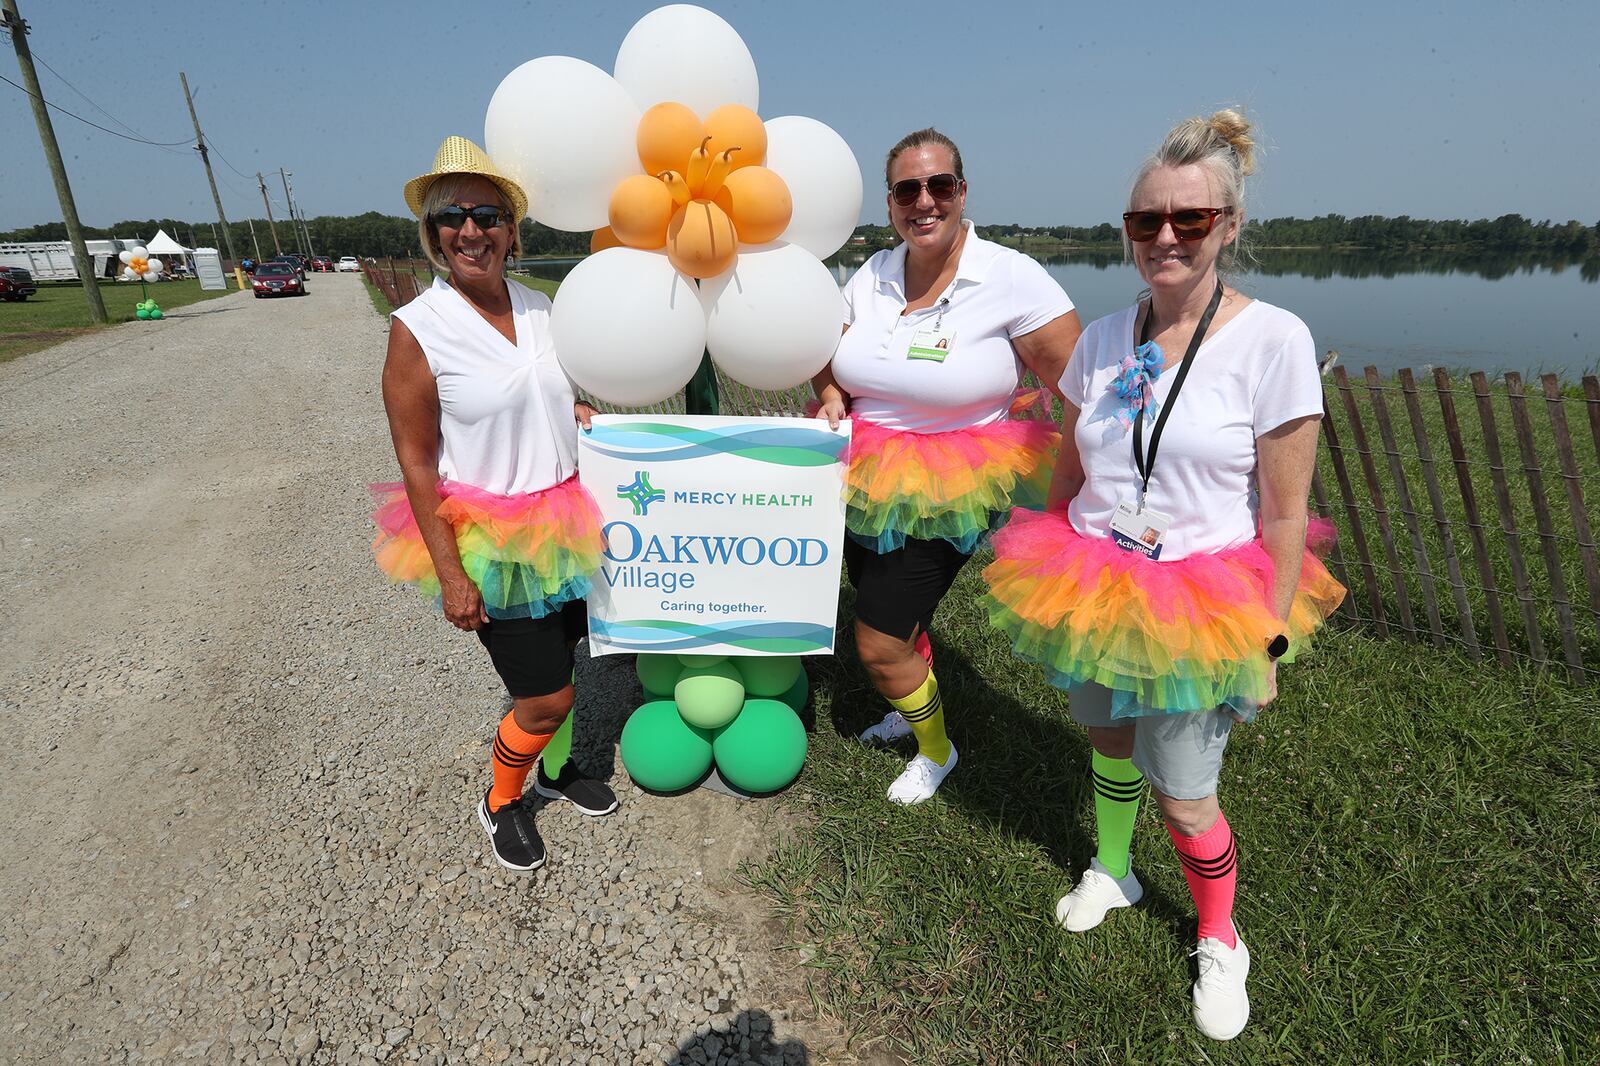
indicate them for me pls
(1234, 128)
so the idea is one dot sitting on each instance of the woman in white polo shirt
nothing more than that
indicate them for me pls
(1176, 578)
(938, 331)
(490, 518)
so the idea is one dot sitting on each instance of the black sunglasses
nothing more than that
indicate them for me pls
(1190, 224)
(942, 187)
(484, 216)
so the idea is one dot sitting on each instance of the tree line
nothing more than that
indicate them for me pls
(379, 235)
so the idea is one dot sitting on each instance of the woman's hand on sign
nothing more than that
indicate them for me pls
(463, 603)
(583, 413)
(833, 409)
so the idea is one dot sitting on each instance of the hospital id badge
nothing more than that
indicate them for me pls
(1141, 531)
(931, 343)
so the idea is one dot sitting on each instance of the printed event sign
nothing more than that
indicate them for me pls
(723, 535)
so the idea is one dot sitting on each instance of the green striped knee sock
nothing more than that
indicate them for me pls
(1117, 786)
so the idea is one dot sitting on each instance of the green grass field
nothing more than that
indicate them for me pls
(58, 311)
(1417, 875)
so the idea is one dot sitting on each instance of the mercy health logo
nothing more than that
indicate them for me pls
(640, 493)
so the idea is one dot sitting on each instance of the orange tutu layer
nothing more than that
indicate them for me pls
(943, 486)
(1185, 635)
(528, 554)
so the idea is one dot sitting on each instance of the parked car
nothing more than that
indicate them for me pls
(349, 264)
(16, 283)
(278, 279)
(322, 264)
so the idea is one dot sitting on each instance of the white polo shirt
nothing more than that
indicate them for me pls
(997, 295)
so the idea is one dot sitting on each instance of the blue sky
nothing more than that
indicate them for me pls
(1436, 110)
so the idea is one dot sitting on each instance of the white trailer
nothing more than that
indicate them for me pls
(52, 260)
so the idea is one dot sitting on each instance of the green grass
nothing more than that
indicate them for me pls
(58, 312)
(1418, 883)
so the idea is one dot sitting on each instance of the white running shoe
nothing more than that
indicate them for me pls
(920, 779)
(893, 727)
(1096, 893)
(1221, 1006)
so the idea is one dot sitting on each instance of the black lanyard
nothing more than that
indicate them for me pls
(1147, 464)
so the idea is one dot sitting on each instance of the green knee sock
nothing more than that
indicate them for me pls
(923, 710)
(1117, 786)
(555, 753)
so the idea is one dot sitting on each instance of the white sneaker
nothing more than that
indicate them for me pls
(1221, 1006)
(892, 728)
(1096, 893)
(921, 779)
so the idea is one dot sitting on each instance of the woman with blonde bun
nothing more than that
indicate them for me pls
(1170, 575)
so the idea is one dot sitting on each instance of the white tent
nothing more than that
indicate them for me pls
(161, 244)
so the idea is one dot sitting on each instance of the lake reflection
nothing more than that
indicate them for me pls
(1390, 309)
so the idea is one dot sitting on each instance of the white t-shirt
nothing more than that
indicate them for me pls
(505, 411)
(998, 294)
(1250, 376)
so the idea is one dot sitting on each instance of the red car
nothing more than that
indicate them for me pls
(322, 264)
(277, 279)
(16, 283)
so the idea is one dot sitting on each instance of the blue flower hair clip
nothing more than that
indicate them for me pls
(1135, 381)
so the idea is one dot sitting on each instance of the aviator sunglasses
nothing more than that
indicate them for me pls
(942, 187)
(485, 216)
(1190, 224)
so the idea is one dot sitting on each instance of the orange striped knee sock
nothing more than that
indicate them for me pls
(514, 752)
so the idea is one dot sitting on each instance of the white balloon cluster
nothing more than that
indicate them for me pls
(138, 263)
(629, 326)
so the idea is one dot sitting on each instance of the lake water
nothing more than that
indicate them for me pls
(1398, 311)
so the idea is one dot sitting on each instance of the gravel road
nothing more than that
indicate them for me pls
(240, 769)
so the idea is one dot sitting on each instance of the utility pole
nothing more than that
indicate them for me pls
(52, 154)
(270, 223)
(294, 223)
(296, 212)
(200, 146)
(253, 238)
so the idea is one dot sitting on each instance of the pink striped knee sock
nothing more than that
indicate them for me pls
(1211, 865)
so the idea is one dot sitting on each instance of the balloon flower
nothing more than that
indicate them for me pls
(709, 224)
(139, 265)
(739, 713)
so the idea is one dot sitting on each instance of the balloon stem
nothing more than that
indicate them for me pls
(700, 397)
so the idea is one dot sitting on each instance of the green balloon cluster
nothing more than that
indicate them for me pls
(741, 712)
(146, 309)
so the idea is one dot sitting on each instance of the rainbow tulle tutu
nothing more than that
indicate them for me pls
(1165, 637)
(943, 486)
(528, 554)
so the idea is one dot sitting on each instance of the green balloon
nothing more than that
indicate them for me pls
(155, 312)
(769, 676)
(709, 696)
(663, 752)
(761, 750)
(796, 696)
(143, 312)
(658, 674)
(701, 660)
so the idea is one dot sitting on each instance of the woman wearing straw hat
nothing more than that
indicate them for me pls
(490, 518)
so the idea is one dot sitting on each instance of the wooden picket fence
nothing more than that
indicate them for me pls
(398, 279)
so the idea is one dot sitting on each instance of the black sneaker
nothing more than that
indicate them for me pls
(513, 835)
(592, 797)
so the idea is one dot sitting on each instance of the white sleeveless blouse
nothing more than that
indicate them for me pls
(505, 411)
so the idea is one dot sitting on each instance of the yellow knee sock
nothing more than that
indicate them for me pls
(923, 710)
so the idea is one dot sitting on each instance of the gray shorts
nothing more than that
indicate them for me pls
(1179, 754)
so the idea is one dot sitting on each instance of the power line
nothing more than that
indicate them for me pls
(96, 125)
(85, 96)
(224, 158)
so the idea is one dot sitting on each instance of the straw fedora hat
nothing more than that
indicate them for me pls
(457, 155)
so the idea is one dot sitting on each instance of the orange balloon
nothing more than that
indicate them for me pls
(759, 203)
(736, 126)
(603, 238)
(640, 209)
(667, 134)
(701, 241)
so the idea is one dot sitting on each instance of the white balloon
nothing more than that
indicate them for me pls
(628, 328)
(824, 182)
(124, 256)
(127, 272)
(774, 320)
(157, 265)
(151, 275)
(138, 251)
(688, 55)
(565, 131)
